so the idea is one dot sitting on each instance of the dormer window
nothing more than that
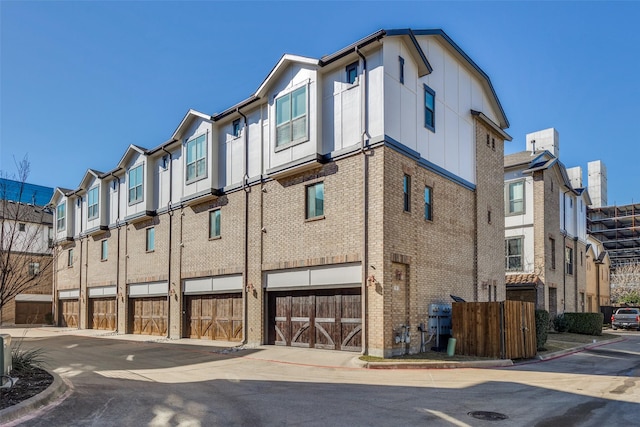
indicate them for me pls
(136, 182)
(93, 202)
(61, 214)
(197, 158)
(291, 117)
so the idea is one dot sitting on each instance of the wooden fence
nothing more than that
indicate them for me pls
(505, 330)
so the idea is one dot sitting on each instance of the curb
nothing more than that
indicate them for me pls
(435, 364)
(57, 389)
(572, 350)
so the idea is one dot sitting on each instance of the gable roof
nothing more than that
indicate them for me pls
(186, 121)
(89, 176)
(129, 152)
(533, 162)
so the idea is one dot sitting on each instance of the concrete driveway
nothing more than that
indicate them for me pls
(118, 382)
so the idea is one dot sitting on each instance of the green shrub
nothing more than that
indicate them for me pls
(25, 361)
(584, 323)
(560, 323)
(542, 328)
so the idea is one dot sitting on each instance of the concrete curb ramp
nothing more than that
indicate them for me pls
(57, 390)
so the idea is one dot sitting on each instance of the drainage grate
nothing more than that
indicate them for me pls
(488, 416)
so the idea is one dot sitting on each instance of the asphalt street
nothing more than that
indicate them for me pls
(117, 382)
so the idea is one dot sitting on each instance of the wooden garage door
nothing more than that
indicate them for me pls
(32, 312)
(102, 313)
(148, 316)
(215, 317)
(69, 313)
(328, 319)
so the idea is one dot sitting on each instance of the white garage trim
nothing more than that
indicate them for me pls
(339, 276)
(33, 298)
(69, 294)
(216, 284)
(148, 289)
(102, 291)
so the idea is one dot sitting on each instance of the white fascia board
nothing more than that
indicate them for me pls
(185, 122)
(280, 66)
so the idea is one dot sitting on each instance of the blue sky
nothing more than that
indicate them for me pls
(80, 81)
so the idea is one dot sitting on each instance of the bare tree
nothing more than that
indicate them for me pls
(625, 284)
(25, 253)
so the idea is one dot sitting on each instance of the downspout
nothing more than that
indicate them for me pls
(117, 248)
(170, 236)
(365, 198)
(80, 274)
(245, 187)
(564, 249)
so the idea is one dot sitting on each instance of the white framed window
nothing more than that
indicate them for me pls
(214, 224)
(70, 258)
(515, 198)
(568, 260)
(291, 117)
(401, 63)
(197, 158)
(136, 184)
(34, 268)
(151, 239)
(104, 250)
(93, 203)
(315, 200)
(61, 214)
(513, 254)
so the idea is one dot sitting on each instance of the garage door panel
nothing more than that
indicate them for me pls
(69, 313)
(103, 313)
(149, 316)
(215, 317)
(316, 319)
(31, 312)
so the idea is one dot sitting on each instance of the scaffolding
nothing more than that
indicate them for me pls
(618, 228)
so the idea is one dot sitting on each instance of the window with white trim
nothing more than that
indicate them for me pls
(34, 268)
(136, 184)
(70, 258)
(197, 158)
(104, 250)
(291, 117)
(93, 203)
(61, 213)
(515, 198)
(406, 193)
(513, 254)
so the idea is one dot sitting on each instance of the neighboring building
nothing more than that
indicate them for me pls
(24, 192)
(617, 228)
(26, 279)
(545, 228)
(328, 210)
(598, 276)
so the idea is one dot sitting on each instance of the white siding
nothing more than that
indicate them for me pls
(197, 128)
